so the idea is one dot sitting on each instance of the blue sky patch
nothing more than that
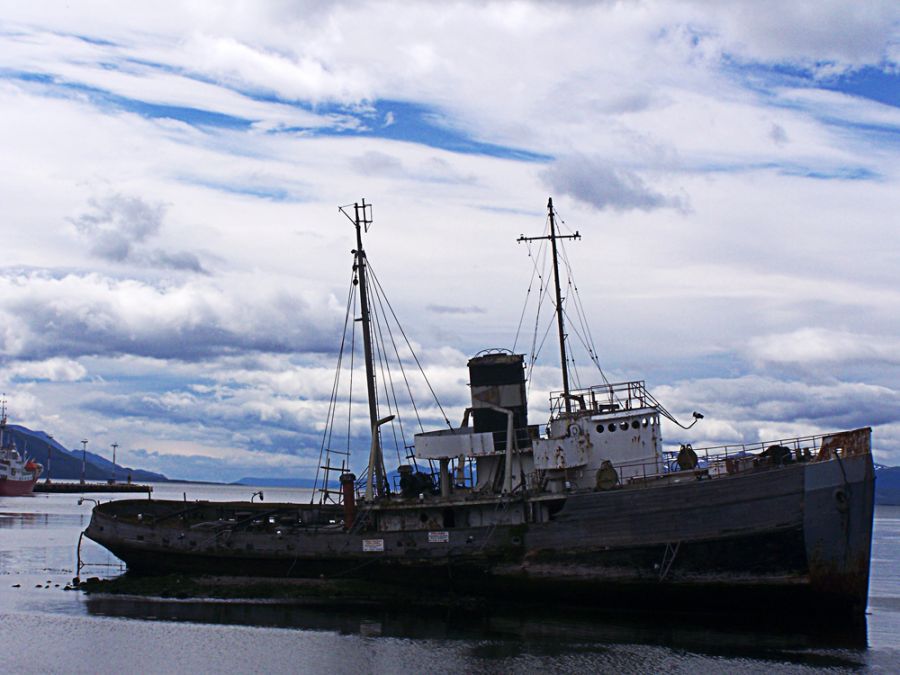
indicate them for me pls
(874, 84)
(272, 193)
(415, 123)
(789, 169)
(841, 173)
(388, 119)
(106, 99)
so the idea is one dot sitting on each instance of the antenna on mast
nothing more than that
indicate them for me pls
(362, 214)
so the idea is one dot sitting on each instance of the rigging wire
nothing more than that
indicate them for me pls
(577, 323)
(332, 402)
(387, 380)
(542, 298)
(380, 296)
(535, 272)
(352, 368)
(587, 338)
(415, 358)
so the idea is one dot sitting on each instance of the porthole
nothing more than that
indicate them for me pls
(623, 425)
(599, 428)
(644, 422)
(635, 424)
(611, 427)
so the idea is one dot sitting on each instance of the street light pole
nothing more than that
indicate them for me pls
(49, 457)
(83, 459)
(114, 446)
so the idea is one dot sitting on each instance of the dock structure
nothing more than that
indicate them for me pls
(92, 487)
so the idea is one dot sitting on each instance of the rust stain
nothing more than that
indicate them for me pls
(856, 442)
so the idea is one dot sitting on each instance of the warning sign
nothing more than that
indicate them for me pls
(438, 537)
(373, 545)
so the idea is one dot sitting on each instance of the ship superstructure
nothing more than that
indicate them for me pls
(18, 474)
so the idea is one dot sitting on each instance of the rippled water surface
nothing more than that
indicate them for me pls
(48, 629)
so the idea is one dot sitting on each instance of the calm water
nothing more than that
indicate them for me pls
(47, 629)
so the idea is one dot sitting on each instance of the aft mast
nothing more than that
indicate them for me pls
(560, 323)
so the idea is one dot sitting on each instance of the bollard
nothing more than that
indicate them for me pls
(348, 492)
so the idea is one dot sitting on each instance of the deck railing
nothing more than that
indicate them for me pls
(733, 458)
(604, 398)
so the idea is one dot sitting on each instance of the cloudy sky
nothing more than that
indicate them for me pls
(175, 270)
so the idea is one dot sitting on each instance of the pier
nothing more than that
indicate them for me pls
(92, 487)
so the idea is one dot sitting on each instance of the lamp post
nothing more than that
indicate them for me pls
(49, 457)
(83, 459)
(113, 479)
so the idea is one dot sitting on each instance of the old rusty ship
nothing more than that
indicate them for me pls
(588, 507)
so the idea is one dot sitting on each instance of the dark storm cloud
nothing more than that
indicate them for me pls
(595, 182)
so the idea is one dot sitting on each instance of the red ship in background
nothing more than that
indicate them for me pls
(18, 474)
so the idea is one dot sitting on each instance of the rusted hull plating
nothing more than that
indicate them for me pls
(797, 537)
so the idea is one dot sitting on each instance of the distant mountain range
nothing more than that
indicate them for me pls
(887, 485)
(66, 464)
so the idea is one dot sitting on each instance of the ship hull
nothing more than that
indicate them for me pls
(16, 488)
(797, 537)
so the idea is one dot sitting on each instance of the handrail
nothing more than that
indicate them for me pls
(733, 458)
(604, 398)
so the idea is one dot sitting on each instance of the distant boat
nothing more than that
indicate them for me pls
(588, 507)
(18, 474)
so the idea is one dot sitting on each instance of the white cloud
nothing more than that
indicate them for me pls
(808, 31)
(753, 409)
(53, 370)
(822, 346)
(595, 182)
(91, 314)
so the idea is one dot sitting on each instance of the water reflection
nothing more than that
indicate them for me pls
(23, 520)
(512, 630)
(28, 520)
